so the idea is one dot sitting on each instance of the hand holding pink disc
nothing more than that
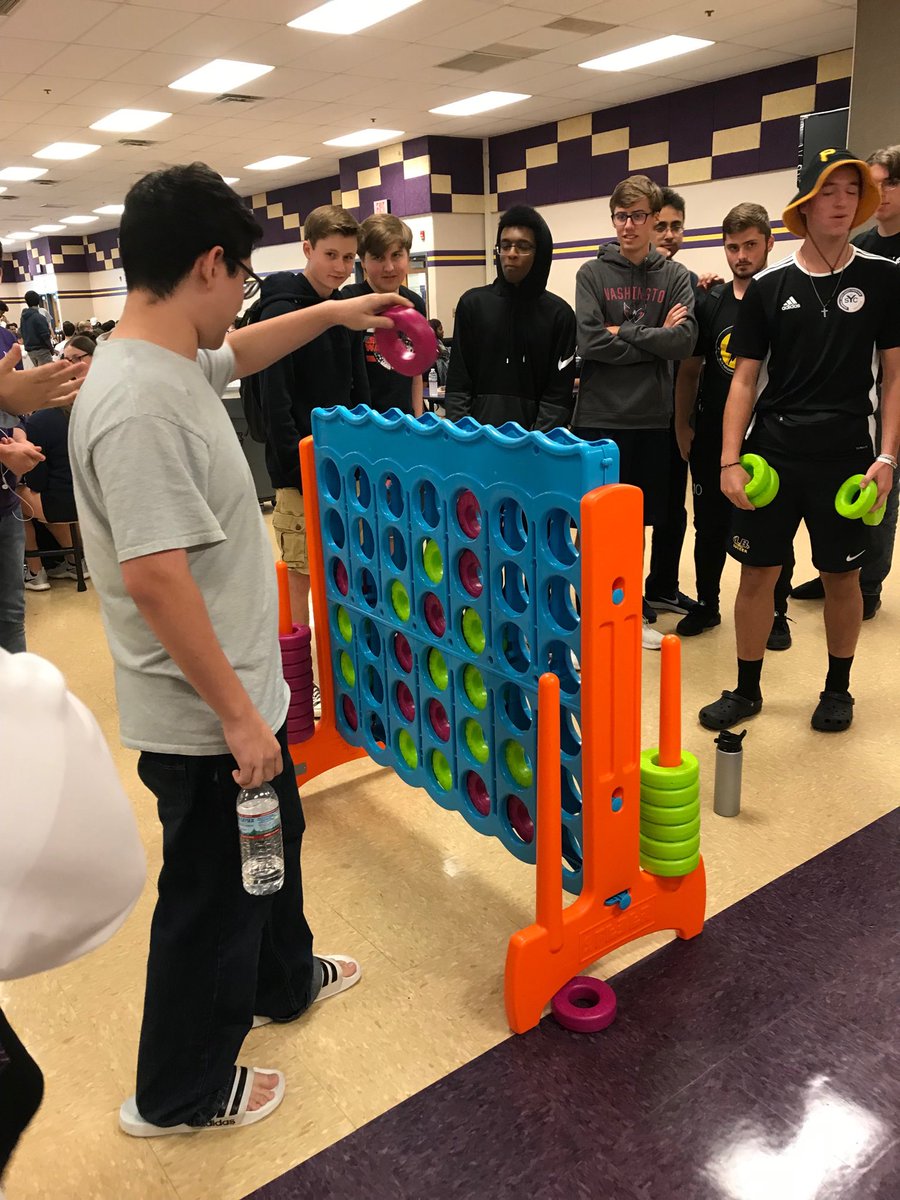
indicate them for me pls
(418, 352)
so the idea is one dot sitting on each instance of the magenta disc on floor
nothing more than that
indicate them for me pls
(584, 1005)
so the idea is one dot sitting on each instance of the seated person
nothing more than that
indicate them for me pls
(46, 492)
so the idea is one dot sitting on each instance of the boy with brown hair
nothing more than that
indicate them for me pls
(384, 245)
(328, 370)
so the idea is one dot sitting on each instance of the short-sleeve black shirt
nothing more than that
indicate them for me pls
(388, 388)
(884, 247)
(818, 370)
(717, 313)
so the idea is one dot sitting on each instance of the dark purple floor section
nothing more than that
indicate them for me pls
(759, 1061)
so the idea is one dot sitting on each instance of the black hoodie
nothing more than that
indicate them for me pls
(513, 355)
(328, 370)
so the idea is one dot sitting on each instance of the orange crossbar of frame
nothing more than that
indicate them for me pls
(619, 902)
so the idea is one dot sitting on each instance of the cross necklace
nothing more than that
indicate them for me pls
(832, 267)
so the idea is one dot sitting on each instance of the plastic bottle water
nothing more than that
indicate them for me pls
(262, 854)
(432, 383)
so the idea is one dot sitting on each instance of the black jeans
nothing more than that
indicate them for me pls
(217, 954)
(668, 534)
(21, 1090)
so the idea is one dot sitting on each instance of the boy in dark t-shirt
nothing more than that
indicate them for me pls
(384, 246)
(802, 395)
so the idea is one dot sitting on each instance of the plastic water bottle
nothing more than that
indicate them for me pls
(262, 854)
(432, 384)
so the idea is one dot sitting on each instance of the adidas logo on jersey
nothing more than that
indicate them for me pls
(789, 303)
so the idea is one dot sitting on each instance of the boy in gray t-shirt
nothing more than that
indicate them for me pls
(182, 564)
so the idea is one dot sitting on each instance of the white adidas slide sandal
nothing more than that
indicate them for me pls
(231, 1115)
(334, 981)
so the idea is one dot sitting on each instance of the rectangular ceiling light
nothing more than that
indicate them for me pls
(365, 137)
(220, 75)
(349, 16)
(277, 162)
(17, 236)
(66, 150)
(484, 102)
(22, 174)
(643, 55)
(110, 210)
(231, 179)
(77, 220)
(46, 228)
(130, 120)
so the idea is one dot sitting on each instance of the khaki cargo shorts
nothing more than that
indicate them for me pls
(289, 523)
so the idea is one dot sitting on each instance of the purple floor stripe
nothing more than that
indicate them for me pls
(759, 1061)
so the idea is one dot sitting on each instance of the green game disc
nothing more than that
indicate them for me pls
(658, 866)
(473, 630)
(668, 778)
(407, 748)
(347, 669)
(473, 682)
(671, 833)
(432, 561)
(475, 741)
(437, 669)
(440, 768)
(518, 764)
(670, 797)
(345, 625)
(669, 851)
(400, 600)
(682, 815)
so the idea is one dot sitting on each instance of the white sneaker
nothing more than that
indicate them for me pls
(317, 702)
(650, 639)
(66, 570)
(36, 581)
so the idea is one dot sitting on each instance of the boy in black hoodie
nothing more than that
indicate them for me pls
(635, 313)
(328, 370)
(513, 341)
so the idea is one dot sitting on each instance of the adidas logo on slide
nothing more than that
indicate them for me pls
(789, 303)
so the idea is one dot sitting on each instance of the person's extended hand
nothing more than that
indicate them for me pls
(52, 386)
(361, 312)
(684, 436)
(676, 314)
(613, 329)
(255, 748)
(883, 474)
(734, 480)
(19, 457)
(709, 280)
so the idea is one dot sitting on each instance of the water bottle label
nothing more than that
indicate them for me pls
(260, 824)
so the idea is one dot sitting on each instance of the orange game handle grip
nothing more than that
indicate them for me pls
(285, 620)
(670, 703)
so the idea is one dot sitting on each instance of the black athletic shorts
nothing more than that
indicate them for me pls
(764, 537)
(643, 462)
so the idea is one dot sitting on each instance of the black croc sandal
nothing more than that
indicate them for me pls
(729, 710)
(834, 712)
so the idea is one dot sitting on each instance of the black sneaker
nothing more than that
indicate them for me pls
(698, 620)
(649, 613)
(679, 603)
(780, 637)
(871, 605)
(814, 589)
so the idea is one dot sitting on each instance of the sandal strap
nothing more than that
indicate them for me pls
(239, 1096)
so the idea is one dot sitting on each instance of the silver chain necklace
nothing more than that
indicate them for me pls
(826, 304)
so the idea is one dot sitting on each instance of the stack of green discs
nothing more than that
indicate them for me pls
(670, 815)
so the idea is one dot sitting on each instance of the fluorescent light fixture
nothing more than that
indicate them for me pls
(46, 228)
(77, 220)
(130, 120)
(277, 162)
(231, 178)
(220, 75)
(110, 210)
(365, 137)
(22, 174)
(18, 236)
(483, 102)
(3, 189)
(349, 16)
(648, 52)
(66, 150)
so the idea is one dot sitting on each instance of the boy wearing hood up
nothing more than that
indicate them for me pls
(513, 341)
(635, 311)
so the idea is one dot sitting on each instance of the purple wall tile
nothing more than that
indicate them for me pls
(779, 144)
(441, 203)
(543, 185)
(736, 102)
(607, 170)
(834, 94)
(742, 162)
(690, 130)
(574, 167)
(417, 197)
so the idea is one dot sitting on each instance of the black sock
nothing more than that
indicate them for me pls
(838, 677)
(749, 672)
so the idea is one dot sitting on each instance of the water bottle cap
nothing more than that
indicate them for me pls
(729, 742)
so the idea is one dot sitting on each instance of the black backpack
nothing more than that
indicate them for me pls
(251, 394)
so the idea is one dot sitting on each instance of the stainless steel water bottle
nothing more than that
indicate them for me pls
(729, 765)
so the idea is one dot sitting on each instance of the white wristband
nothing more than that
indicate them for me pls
(888, 459)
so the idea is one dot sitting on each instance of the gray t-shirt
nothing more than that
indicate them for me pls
(157, 466)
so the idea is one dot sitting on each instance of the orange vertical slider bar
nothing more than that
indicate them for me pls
(670, 703)
(285, 620)
(549, 906)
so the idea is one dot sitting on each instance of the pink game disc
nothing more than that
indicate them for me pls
(411, 346)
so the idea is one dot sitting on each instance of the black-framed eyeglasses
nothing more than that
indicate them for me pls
(887, 185)
(662, 226)
(252, 281)
(522, 247)
(636, 218)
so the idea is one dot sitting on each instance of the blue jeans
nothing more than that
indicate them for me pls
(12, 583)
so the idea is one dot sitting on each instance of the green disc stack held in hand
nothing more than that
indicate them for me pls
(670, 815)
(762, 487)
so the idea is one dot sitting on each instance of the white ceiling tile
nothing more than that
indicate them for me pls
(29, 54)
(495, 26)
(68, 21)
(132, 28)
(86, 62)
(158, 69)
(277, 11)
(45, 87)
(194, 6)
(214, 37)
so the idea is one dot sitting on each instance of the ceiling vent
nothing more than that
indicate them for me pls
(46, 182)
(235, 98)
(505, 50)
(479, 61)
(8, 6)
(577, 25)
(139, 143)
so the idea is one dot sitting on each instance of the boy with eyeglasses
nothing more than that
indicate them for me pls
(635, 313)
(513, 341)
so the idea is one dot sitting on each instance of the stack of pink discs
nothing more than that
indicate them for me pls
(296, 660)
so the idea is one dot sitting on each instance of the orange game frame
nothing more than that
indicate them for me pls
(619, 902)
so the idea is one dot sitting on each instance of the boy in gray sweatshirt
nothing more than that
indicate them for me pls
(635, 315)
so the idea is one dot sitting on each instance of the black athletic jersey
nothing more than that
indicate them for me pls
(817, 379)
(388, 388)
(884, 247)
(717, 313)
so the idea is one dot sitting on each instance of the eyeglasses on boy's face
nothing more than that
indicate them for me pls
(521, 247)
(663, 226)
(252, 281)
(636, 218)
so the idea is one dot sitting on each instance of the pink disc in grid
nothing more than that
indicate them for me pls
(350, 715)
(520, 819)
(470, 573)
(405, 702)
(478, 793)
(468, 513)
(434, 615)
(437, 715)
(341, 579)
(403, 652)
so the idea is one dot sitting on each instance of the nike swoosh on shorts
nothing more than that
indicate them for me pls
(564, 362)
